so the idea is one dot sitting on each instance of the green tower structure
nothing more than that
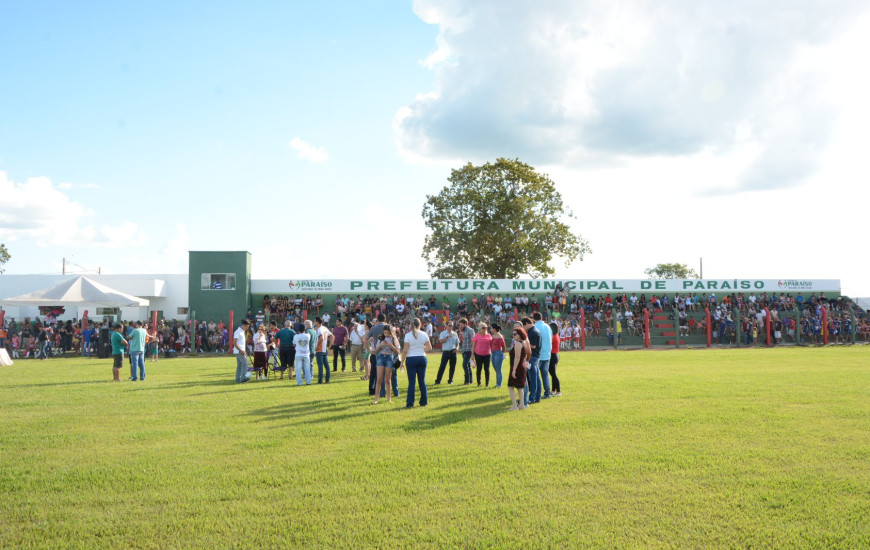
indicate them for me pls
(219, 282)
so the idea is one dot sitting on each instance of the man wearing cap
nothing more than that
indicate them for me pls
(260, 319)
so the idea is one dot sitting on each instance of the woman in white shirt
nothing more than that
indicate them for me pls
(260, 340)
(414, 358)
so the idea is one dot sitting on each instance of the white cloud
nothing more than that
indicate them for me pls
(39, 211)
(573, 82)
(307, 151)
(174, 254)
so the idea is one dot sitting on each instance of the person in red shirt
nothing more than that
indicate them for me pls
(554, 360)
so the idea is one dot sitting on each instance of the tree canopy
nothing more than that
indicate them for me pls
(500, 220)
(671, 271)
(4, 256)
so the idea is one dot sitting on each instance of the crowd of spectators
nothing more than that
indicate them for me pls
(608, 315)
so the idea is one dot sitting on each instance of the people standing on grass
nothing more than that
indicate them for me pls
(466, 336)
(372, 340)
(532, 379)
(285, 348)
(302, 343)
(260, 341)
(498, 346)
(482, 342)
(554, 360)
(449, 344)
(544, 358)
(324, 341)
(414, 357)
(119, 344)
(152, 343)
(138, 338)
(520, 355)
(240, 350)
(366, 366)
(386, 349)
(357, 333)
(339, 338)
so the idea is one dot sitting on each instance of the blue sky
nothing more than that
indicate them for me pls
(130, 134)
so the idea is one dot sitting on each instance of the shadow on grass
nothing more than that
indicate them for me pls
(353, 407)
(77, 383)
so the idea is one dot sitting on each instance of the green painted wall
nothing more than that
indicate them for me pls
(216, 304)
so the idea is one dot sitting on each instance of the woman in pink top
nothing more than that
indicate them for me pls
(482, 342)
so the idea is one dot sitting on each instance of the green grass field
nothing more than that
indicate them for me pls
(690, 448)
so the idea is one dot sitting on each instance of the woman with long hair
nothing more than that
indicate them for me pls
(519, 356)
(498, 345)
(482, 342)
(414, 357)
(387, 345)
(554, 360)
(259, 342)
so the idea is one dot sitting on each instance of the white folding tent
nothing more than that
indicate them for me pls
(76, 292)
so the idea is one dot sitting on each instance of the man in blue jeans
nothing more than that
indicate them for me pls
(544, 360)
(466, 336)
(240, 350)
(138, 336)
(322, 346)
(532, 380)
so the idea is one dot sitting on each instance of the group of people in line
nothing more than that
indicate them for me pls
(383, 349)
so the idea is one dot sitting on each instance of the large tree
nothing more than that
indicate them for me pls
(498, 221)
(4, 256)
(671, 271)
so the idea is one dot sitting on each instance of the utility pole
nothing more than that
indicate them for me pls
(64, 266)
(702, 268)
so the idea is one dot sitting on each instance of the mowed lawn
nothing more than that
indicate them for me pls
(764, 448)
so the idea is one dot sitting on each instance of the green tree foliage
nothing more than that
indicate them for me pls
(497, 221)
(671, 271)
(4, 256)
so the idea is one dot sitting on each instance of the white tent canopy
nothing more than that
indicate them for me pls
(76, 292)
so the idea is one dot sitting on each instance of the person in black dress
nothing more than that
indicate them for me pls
(519, 356)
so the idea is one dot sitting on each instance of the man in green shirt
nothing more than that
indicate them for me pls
(118, 345)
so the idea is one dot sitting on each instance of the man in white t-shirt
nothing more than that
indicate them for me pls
(303, 362)
(240, 337)
(357, 333)
(321, 349)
